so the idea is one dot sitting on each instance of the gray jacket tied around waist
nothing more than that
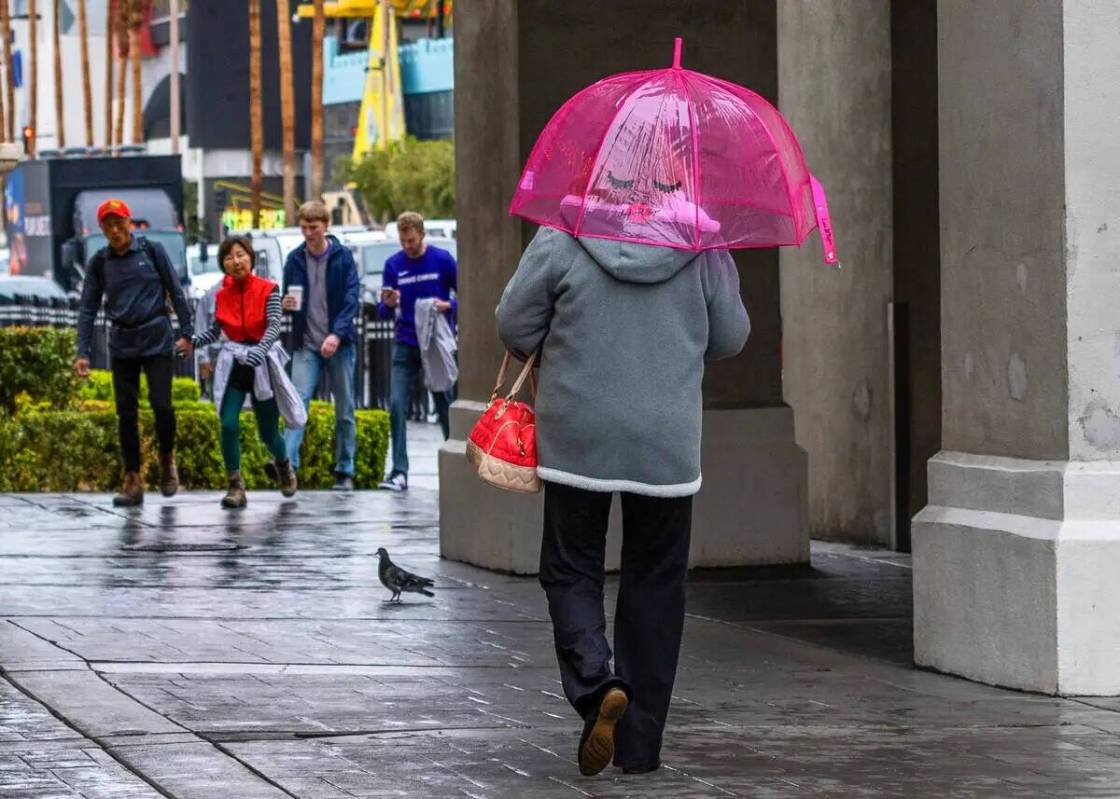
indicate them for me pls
(624, 330)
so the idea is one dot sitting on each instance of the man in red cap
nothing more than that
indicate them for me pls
(136, 280)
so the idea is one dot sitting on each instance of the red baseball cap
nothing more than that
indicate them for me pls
(117, 207)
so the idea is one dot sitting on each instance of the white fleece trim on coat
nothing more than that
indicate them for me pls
(625, 486)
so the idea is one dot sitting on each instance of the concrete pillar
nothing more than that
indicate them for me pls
(515, 64)
(1017, 553)
(835, 89)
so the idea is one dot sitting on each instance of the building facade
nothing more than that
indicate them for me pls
(953, 388)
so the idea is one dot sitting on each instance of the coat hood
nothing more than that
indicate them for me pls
(333, 245)
(636, 263)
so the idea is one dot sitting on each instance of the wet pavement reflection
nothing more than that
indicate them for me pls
(176, 648)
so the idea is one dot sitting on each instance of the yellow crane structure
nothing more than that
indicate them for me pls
(381, 117)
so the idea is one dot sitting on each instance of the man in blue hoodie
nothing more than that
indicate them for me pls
(323, 334)
(417, 272)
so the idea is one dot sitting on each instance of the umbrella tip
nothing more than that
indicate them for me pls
(677, 44)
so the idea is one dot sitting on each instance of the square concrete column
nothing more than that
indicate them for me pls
(515, 64)
(1017, 554)
(835, 89)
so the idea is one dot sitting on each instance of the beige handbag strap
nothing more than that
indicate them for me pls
(526, 374)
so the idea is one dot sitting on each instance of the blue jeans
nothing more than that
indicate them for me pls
(407, 368)
(307, 364)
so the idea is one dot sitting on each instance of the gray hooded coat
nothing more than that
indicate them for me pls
(624, 330)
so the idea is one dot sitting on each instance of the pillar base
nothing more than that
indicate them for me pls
(1015, 566)
(751, 510)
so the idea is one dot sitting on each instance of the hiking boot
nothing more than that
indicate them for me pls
(286, 477)
(596, 745)
(132, 492)
(235, 494)
(168, 475)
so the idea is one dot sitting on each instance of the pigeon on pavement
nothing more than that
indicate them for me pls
(397, 579)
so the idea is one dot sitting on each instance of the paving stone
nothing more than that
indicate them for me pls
(90, 704)
(198, 771)
(42, 757)
(253, 654)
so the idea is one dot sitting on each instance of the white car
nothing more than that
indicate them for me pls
(205, 274)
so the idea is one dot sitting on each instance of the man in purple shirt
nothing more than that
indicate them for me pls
(417, 272)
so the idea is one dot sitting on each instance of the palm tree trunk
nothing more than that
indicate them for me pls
(9, 65)
(318, 30)
(110, 38)
(256, 117)
(59, 115)
(175, 88)
(136, 21)
(122, 77)
(287, 109)
(33, 82)
(87, 89)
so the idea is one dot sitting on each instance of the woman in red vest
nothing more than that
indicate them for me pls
(248, 312)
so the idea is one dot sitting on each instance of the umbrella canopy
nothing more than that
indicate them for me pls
(673, 158)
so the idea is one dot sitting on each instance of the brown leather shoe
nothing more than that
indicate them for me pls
(168, 475)
(132, 492)
(596, 745)
(235, 494)
(286, 477)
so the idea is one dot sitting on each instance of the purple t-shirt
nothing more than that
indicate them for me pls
(433, 274)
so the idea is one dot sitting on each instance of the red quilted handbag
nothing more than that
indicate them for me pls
(503, 442)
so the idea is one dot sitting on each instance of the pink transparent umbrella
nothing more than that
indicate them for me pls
(673, 158)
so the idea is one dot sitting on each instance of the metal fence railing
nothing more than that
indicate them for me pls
(373, 365)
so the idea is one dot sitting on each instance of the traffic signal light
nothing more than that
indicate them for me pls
(28, 137)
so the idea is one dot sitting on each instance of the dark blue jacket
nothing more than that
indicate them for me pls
(343, 289)
(135, 287)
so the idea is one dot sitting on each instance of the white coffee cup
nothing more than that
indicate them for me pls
(297, 292)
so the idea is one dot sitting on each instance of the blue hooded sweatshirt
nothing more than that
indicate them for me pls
(433, 274)
(343, 289)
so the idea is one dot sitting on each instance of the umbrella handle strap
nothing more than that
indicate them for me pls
(824, 222)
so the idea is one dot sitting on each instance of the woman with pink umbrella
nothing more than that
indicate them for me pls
(642, 183)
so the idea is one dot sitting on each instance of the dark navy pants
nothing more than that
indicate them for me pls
(649, 616)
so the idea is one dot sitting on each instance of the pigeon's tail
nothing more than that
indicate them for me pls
(424, 592)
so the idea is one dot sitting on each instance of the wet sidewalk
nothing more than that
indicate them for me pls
(182, 650)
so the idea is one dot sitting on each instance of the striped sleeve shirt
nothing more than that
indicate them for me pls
(271, 334)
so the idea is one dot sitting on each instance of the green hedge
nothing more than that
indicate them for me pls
(99, 386)
(57, 434)
(37, 362)
(78, 450)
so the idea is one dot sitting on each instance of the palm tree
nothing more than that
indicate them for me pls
(6, 29)
(110, 37)
(175, 96)
(60, 123)
(33, 82)
(87, 90)
(122, 77)
(318, 30)
(256, 118)
(287, 107)
(135, 22)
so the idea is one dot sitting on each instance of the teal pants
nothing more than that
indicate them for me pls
(268, 423)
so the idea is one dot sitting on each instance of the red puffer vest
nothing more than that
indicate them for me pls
(241, 308)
